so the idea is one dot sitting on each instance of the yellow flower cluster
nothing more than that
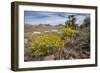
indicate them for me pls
(68, 33)
(47, 43)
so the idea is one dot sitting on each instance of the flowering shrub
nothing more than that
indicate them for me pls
(68, 33)
(47, 44)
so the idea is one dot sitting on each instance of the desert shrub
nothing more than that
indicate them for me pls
(47, 44)
(67, 33)
(85, 38)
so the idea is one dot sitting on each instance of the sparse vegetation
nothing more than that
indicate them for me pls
(62, 41)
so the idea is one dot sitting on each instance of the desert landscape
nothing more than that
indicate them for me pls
(52, 40)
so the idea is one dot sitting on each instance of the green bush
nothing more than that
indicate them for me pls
(85, 38)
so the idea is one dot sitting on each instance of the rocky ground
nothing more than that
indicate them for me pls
(72, 50)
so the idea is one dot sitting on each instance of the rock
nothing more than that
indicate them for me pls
(50, 57)
(27, 54)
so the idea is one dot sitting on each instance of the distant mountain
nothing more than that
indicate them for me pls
(59, 25)
(41, 27)
(28, 27)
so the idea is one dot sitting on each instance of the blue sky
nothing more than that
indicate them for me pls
(53, 18)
